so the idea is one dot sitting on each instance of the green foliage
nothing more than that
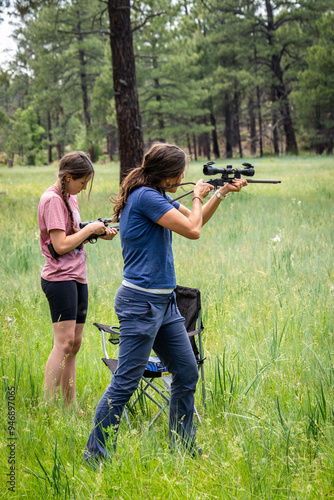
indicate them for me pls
(264, 267)
(171, 92)
(315, 93)
(203, 69)
(4, 120)
(25, 136)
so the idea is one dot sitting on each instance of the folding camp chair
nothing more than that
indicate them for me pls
(189, 304)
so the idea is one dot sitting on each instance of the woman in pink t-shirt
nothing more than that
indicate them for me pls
(64, 277)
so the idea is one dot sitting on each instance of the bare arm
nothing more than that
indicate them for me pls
(63, 243)
(188, 224)
(211, 206)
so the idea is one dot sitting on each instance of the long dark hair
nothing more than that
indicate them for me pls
(162, 161)
(76, 164)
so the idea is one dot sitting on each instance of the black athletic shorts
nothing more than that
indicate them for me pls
(68, 300)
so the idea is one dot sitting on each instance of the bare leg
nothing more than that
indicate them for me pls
(68, 378)
(60, 366)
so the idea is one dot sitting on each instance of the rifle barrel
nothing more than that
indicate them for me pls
(263, 181)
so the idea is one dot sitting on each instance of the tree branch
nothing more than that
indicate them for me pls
(101, 32)
(99, 15)
(146, 20)
(142, 56)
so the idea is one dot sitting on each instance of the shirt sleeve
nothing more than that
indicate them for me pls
(153, 204)
(175, 204)
(55, 214)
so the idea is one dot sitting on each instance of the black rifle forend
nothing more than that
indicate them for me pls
(229, 173)
(92, 238)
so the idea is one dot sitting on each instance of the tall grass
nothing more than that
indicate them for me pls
(264, 265)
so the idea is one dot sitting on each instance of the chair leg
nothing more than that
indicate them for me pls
(127, 418)
(158, 414)
(145, 384)
(148, 382)
(200, 345)
(203, 386)
(197, 415)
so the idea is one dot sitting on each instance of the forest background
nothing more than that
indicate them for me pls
(222, 79)
(219, 78)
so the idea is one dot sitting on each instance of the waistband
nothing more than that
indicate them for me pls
(158, 291)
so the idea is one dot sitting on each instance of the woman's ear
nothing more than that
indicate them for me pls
(68, 178)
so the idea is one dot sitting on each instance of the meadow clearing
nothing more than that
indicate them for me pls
(264, 265)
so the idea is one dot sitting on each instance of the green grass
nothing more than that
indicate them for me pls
(268, 429)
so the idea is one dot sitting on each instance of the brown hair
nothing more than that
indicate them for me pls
(76, 164)
(161, 161)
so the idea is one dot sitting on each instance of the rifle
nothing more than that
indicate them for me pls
(92, 238)
(228, 174)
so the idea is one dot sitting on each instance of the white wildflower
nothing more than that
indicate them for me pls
(277, 239)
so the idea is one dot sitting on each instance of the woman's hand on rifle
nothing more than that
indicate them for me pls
(234, 186)
(110, 233)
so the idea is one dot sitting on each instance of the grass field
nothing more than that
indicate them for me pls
(264, 265)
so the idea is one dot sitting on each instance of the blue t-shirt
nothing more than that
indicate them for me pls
(147, 246)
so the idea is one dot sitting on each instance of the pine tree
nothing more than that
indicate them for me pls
(315, 94)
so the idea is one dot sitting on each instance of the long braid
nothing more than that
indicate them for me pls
(65, 198)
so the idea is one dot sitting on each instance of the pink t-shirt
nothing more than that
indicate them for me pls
(53, 214)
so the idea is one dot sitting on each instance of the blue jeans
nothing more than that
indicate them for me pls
(147, 321)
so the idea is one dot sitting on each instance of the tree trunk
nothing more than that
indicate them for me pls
(111, 141)
(199, 145)
(228, 130)
(58, 145)
(330, 138)
(125, 87)
(282, 96)
(49, 138)
(274, 123)
(84, 89)
(205, 145)
(290, 137)
(237, 123)
(215, 145)
(161, 123)
(252, 126)
(195, 147)
(259, 112)
(189, 145)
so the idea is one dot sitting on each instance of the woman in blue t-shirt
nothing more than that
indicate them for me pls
(145, 302)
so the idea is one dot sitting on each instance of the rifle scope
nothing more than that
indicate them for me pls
(208, 169)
